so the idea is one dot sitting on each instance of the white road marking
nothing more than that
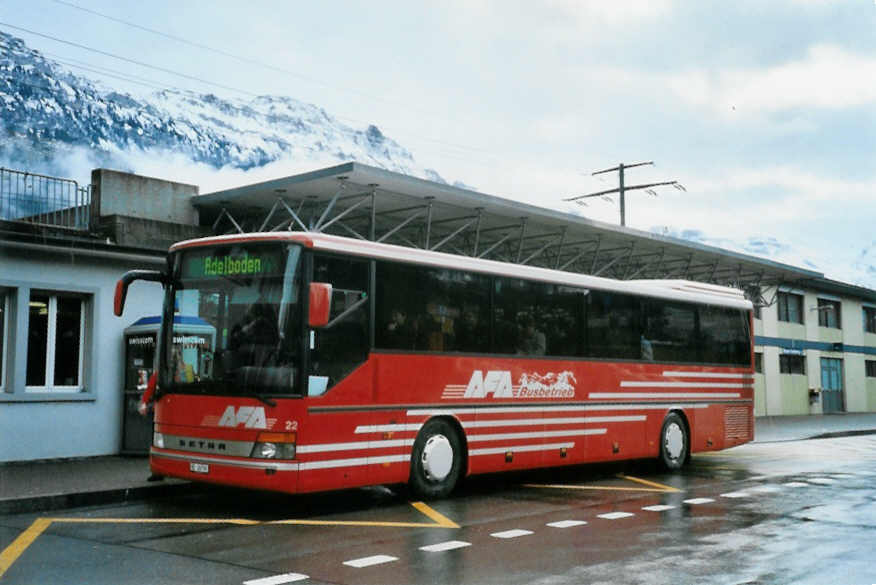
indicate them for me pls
(566, 523)
(278, 579)
(615, 515)
(511, 533)
(821, 481)
(370, 561)
(765, 489)
(736, 495)
(658, 508)
(698, 501)
(795, 484)
(443, 546)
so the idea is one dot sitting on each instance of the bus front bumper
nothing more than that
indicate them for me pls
(274, 475)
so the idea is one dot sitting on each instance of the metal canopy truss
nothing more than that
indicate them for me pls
(368, 203)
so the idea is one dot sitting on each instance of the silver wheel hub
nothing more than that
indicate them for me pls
(437, 457)
(673, 441)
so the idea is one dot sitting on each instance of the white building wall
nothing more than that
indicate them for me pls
(45, 425)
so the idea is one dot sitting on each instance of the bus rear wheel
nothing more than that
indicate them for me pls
(674, 442)
(436, 461)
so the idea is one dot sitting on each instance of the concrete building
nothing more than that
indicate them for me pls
(61, 371)
(61, 348)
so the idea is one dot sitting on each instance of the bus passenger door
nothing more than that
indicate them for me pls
(338, 379)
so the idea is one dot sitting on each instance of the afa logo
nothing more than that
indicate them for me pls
(499, 384)
(251, 417)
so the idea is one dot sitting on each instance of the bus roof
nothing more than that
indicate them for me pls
(682, 290)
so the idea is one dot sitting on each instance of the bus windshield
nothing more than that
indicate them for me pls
(250, 293)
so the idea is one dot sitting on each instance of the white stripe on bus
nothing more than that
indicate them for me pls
(646, 384)
(550, 421)
(354, 446)
(676, 395)
(478, 410)
(544, 435)
(705, 375)
(387, 428)
(361, 445)
(354, 462)
(249, 463)
(519, 449)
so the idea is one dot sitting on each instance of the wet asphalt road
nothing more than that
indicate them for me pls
(793, 512)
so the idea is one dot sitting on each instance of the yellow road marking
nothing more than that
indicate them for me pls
(156, 521)
(11, 553)
(659, 486)
(356, 523)
(439, 518)
(654, 486)
(590, 487)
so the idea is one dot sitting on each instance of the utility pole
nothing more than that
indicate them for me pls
(622, 189)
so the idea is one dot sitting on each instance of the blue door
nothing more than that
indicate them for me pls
(832, 385)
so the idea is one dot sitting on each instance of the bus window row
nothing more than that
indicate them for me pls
(420, 308)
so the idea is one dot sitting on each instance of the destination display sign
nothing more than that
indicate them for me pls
(236, 261)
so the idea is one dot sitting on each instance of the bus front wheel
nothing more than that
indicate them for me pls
(436, 461)
(674, 442)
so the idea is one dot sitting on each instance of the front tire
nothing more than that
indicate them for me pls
(436, 460)
(674, 442)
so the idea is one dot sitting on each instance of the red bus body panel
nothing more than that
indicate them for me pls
(513, 413)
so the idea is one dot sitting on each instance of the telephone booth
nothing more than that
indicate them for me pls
(192, 336)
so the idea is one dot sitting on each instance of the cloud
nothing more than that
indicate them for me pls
(828, 77)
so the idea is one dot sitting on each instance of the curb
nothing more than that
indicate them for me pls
(74, 500)
(827, 435)
(853, 433)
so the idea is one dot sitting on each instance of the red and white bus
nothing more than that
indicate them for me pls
(339, 362)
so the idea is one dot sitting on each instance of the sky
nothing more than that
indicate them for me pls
(764, 111)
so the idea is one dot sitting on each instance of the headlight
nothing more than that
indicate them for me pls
(266, 450)
(158, 440)
(274, 446)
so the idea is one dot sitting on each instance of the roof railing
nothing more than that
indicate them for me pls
(44, 200)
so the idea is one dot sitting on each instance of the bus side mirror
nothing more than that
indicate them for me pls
(127, 279)
(320, 304)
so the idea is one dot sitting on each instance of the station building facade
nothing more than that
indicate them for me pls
(62, 352)
(815, 350)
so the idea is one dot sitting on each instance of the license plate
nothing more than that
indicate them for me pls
(199, 468)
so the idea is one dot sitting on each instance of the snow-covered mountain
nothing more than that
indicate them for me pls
(47, 112)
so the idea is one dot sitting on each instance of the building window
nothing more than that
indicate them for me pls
(55, 338)
(870, 319)
(792, 364)
(790, 307)
(758, 362)
(870, 366)
(829, 313)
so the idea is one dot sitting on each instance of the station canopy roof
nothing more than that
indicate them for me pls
(369, 203)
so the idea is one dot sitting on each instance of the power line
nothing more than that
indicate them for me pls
(622, 188)
(127, 60)
(141, 81)
(200, 80)
(251, 61)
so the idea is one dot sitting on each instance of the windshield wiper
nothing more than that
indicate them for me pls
(265, 399)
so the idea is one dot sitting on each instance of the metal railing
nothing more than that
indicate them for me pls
(44, 200)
